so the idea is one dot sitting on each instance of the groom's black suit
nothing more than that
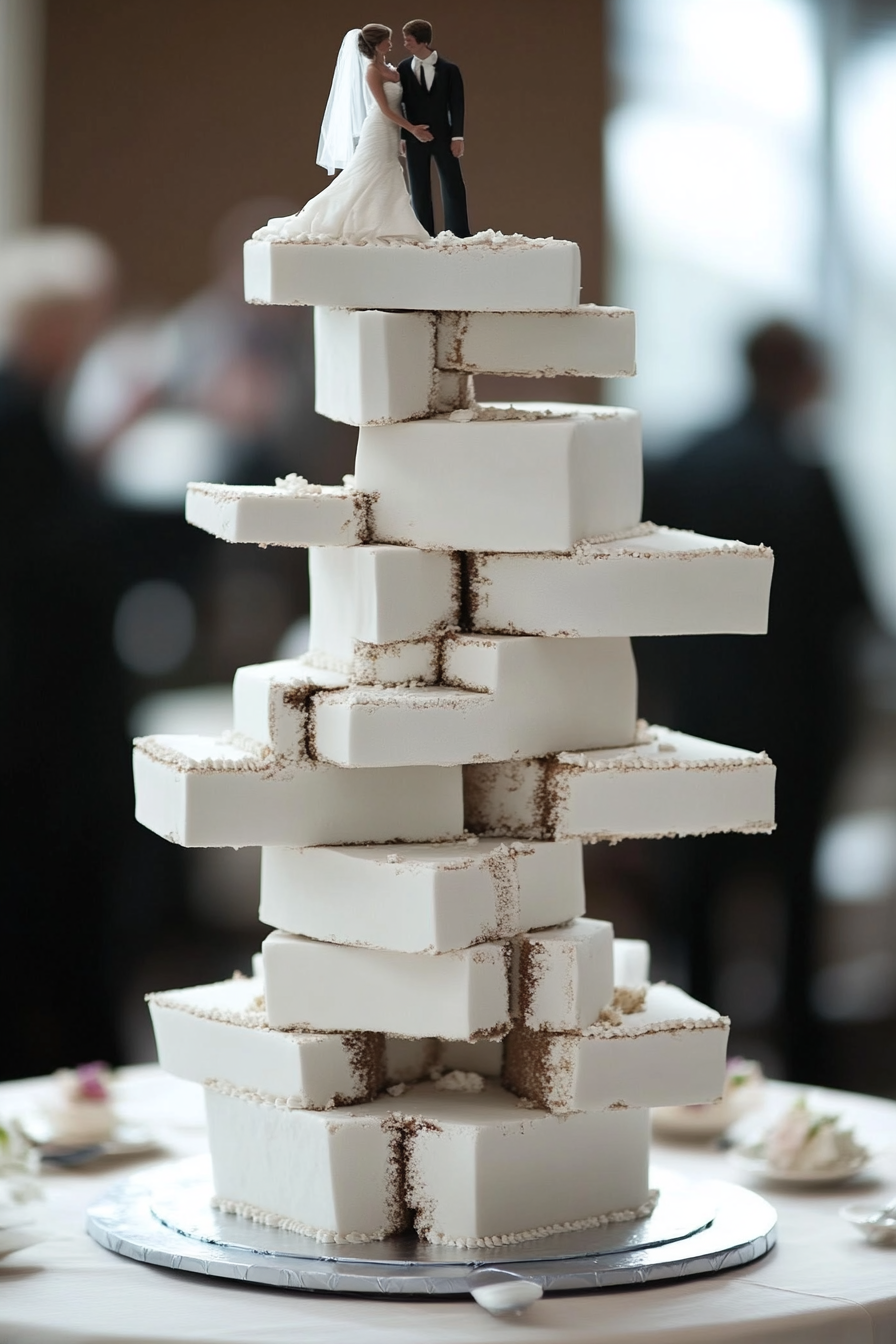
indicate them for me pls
(441, 108)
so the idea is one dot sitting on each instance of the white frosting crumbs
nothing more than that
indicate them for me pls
(458, 1081)
(397, 1090)
(612, 1027)
(286, 231)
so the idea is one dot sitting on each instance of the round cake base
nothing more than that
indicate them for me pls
(164, 1217)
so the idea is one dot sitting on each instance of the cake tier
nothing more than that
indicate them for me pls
(650, 581)
(659, 581)
(587, 341)
(531, 478)
(316, 986)
(375, 368)
(464, 1169)
(484, 274)
(420, 898)
(671, 1052)
(499, 698)
(200, 791)
(667, 784)
(562, 978)
(292, 513)
(221, 1031)
(556, 979)
(378, 595)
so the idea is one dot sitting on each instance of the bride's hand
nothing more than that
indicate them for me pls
(422, 133)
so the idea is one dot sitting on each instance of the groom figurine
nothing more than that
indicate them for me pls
(433, 94)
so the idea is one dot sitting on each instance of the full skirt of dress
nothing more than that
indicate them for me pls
(368, 202)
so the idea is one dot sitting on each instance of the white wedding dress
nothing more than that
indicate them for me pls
(368, 202)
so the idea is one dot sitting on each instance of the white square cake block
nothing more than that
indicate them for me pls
(586, 341)
(327, 987)
(525, 484)
(221, 1031)
(502, 698)
(374, 368)
(449, 1160)
(667, 784)
(270, 702)
(672, 1053)
(483, 1171)
(420, 898)
(196, 791)
(538, 274)
(631, 962)
(659, 582)
(329, 1175)
(562, 978)
(322, 515)
(379, 595)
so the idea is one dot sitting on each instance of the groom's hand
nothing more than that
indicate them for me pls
(457, 148)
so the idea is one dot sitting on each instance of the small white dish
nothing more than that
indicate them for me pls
(876, 1224)
(750, 1159)
(124, 1141)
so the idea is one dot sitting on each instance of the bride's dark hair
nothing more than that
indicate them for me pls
(370, 37)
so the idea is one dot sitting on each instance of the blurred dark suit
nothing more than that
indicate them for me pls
(784, 693)
(64, 759)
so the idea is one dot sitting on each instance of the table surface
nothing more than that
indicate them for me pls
(822, 1283)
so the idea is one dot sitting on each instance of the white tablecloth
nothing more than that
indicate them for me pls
(822, 1284)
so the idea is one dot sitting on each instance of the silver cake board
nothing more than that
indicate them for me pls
(164, 1217)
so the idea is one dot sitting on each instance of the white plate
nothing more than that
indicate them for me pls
(867, 1218)
(125, 1141)
(15, 1236)
(752, 1162)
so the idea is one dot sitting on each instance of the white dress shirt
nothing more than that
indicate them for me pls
(428, 66)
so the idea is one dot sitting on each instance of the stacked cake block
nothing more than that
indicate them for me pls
(434, 1035)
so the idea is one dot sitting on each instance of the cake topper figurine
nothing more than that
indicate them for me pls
(433, 91)
(368, 202)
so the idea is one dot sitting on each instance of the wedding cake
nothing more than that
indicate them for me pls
(434, 1035)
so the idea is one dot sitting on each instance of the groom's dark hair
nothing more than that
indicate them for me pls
(419, 30)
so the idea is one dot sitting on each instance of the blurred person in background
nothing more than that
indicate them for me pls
(64, 760)
(754, 479)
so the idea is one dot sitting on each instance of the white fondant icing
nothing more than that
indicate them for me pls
(671, 1053)
(198, 791)
(668, 784)
(420, 898)
(587, 341)
(270, 515)
(562, 978)
(501, 698)
(664, 582)
(543, 483)
(494, 274)
(327, 987)
(475, 1168)
(220, 1031)
(379, 595)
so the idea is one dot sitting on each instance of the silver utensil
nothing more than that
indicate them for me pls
(502, 1293)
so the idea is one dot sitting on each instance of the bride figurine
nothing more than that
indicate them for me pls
(369, 201)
